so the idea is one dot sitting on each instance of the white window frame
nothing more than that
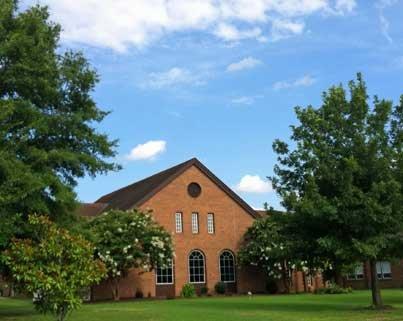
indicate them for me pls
(358, 273)
(195, 223)
(381, 270)
(210, 223)
(219, 266)
(178, 222)
(173, 275)
(204, 267)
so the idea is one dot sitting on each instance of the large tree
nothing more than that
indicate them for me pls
(341, 179)
(48, 119)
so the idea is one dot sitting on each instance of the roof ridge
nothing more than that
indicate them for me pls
(103, 197)
(138, 192)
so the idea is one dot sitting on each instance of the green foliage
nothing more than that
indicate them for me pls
(333, 289)
(267, 244)
(130, 239)
(271, 286)
(341, 181)
(188, 291)
(204, 290)
(54, 266)
(220, 288)
(47, 117)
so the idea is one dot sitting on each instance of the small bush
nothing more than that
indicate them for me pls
(139, 294)
(220, 288)
(333, 289)
(203, 290)
(271, 286)
(188, 291)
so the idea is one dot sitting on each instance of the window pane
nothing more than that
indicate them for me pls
(386, 270)
(195, 223)
(196, 267)
(210, 223)
(164, 275)
(178, 222)
(227, 267)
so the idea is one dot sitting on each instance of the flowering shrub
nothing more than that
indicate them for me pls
(266, 246)
(129, 239)
(54, 267)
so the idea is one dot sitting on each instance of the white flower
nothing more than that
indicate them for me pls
(120, 230)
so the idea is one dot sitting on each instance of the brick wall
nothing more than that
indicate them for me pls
(230, 220)
(396, 281)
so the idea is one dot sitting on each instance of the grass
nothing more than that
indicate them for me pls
(301, 307)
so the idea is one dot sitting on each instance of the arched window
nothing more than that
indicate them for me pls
(196, 267)
(227, 267)
(165, 274)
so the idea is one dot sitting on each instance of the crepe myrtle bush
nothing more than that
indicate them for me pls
(265, 245)
(129, 239)
(54, 266)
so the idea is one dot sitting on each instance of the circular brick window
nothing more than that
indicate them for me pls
(194, 189)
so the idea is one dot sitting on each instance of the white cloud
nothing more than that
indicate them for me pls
(304, 81)
(384, 22)
(243, 100)
(230, 32)
(246, 63)
(253, 184)
(149, 150)
(121, 24)
(172, 77)
(345, 5)
(284, 28)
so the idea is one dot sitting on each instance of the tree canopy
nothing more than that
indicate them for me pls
(54, 266)
(267, 245)
(48, 118)
(341, 178)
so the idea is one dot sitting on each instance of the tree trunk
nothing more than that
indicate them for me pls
(376, 291)
(62, 313)
(338, 277)
(284, 272)
(114, 283)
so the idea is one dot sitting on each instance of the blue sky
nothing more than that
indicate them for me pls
(218, 79)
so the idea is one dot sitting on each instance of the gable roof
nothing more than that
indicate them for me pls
(137, 193)
(91, 209)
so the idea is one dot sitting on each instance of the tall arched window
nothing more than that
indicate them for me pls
(227, 266)
(196, 267)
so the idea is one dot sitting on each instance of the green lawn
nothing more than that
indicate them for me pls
(302, 307)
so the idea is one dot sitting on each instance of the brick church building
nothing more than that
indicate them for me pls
(207, 221)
